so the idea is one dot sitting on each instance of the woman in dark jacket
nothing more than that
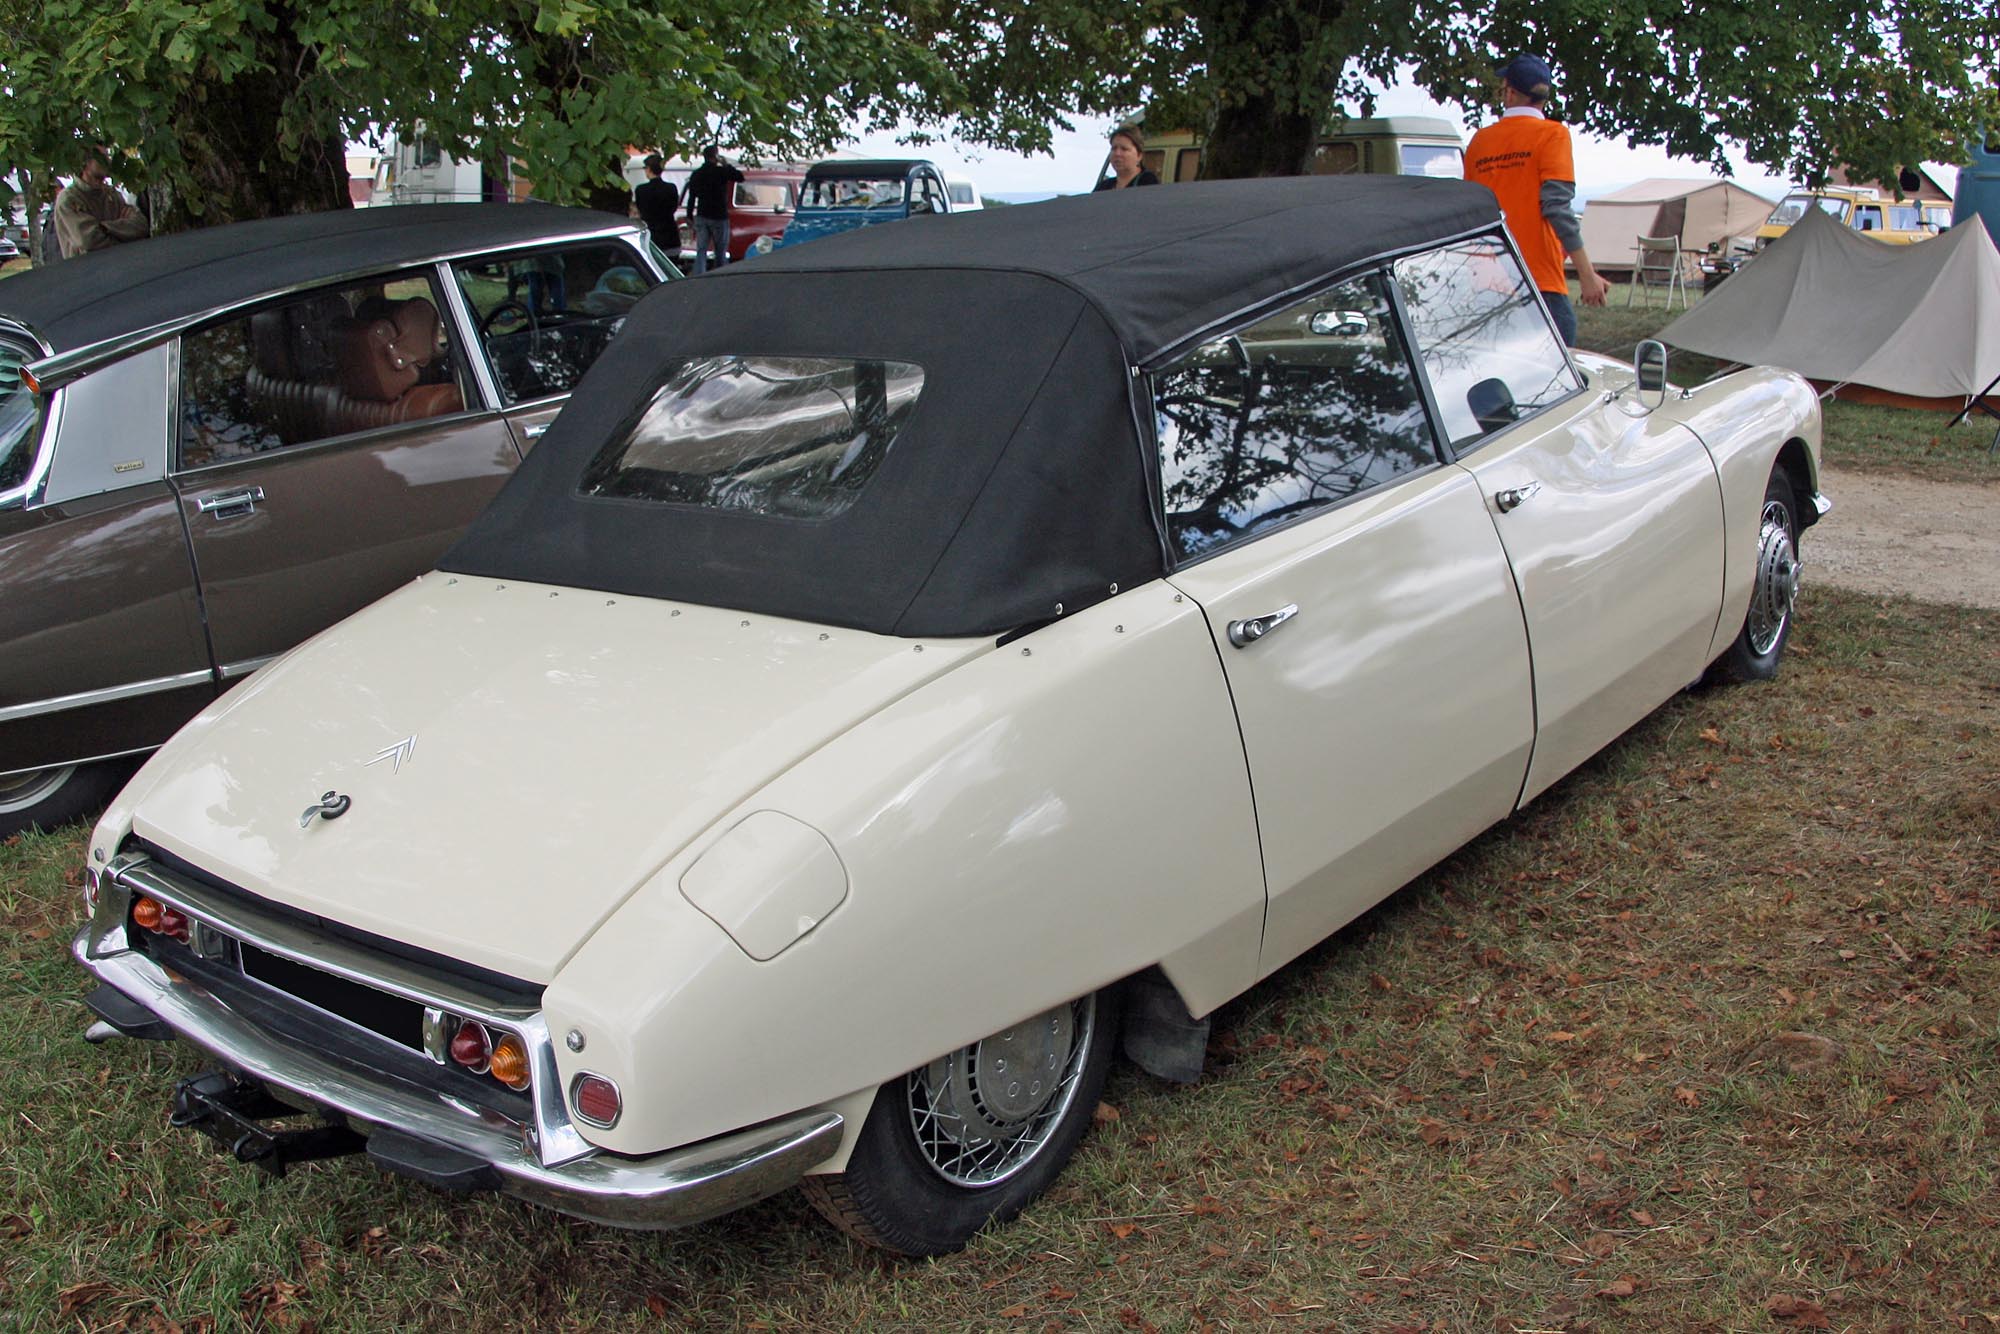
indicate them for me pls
(1128, 148)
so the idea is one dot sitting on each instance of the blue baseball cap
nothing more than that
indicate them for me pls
(1525, 73)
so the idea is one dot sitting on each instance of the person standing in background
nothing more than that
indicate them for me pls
(1524, 159)
(1128, 150)
(658, 201)
(710, 188)
(90, 215)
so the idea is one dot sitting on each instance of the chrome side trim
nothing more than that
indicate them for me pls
(672, 1189)
(110, 694)
(66, 366)
(82, 759)
(232, 670)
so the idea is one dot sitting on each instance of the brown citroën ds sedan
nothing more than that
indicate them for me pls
(215, 444)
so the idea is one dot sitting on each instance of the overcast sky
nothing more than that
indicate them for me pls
(1602, 165)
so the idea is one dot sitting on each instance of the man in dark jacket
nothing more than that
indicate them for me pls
(658, 201)
(710, 188)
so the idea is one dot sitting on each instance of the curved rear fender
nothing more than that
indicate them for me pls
(1041, 821)
(1750, 421)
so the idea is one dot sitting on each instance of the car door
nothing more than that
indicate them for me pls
(542, 317)
(328, 447)
(1358, 598)
(101, 647)
(1611, 517)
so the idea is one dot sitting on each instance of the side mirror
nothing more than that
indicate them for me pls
(1649, 365)
(1492, 404)
(1341, 323)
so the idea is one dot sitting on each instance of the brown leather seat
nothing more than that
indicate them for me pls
(378, 363)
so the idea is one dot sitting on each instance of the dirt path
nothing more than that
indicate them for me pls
(1887, 534)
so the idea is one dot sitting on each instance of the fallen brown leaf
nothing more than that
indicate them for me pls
(1617, 1288)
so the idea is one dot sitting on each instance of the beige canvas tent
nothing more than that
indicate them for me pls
(1697, 211)
(1837, 307)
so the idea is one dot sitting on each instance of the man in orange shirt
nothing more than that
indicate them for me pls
(1524, 159)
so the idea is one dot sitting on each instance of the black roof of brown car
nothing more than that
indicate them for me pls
(90, 299)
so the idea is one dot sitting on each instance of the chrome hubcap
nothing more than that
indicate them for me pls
(21, 791)
(1777, 586)
(982, 1113)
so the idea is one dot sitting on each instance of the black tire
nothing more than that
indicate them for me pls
(1767, 624)
(49, 798)
(898, 1195)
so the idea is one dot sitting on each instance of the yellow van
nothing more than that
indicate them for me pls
(1892, 222)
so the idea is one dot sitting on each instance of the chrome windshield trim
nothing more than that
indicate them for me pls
(59, 369)
(29, 493)
(676, 1188)
(108, 695)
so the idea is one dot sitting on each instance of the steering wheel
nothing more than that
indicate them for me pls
(510, 307)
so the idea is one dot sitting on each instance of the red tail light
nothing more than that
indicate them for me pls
(173, 923)
(472, 1047)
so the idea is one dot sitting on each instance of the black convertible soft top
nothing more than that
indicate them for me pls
(1020, 487)
(75, 303)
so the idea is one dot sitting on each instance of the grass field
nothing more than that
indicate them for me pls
(1705, 1039)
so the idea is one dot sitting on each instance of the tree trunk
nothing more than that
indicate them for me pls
(1253, 138)
(1274, 83)
(235, 166)
(33, 197)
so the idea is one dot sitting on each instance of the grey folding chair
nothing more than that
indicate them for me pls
(1658, 265)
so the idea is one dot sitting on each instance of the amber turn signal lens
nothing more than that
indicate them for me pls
(146, 913)
(471, 1047)
(510, 1062)
(596, 1100)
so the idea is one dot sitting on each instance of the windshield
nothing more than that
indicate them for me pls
(20, 416)
(854, 192)
(789, 437)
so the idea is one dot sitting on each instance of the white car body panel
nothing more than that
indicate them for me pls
(1618, 557)
(1022, 830)
(1352, 800)
(566, 746)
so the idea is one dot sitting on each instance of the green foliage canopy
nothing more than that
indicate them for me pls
(239, 107)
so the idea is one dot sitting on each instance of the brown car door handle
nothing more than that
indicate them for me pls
(231, 504)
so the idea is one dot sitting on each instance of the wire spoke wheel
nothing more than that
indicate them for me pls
(1777, 587)
(982, 1113)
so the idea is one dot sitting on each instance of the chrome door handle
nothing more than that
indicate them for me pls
(1513, 497)
(231, 504)
(537, 431)
(1245, 633)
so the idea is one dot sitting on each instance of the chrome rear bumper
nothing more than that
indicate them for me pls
(666, 1190)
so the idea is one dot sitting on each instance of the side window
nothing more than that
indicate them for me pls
(1302, 409)
(1484, 337)
(543, 317)
(1868, 218)
(332, 363)
(1187, 166)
